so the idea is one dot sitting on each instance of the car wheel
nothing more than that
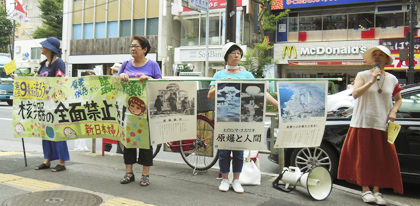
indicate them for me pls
(308, 158)
(10, 102)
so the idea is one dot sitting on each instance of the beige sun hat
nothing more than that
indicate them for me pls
(116, 66)
(367, 56)
(227, 46)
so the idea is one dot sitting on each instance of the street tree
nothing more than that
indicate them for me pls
(257, 58)
(6, 29)
(52, 19)
(268, 21)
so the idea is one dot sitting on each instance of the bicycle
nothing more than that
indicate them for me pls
(198, 153)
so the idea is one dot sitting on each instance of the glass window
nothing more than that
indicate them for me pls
(335, 22)
(410, 107)
(390, 20)
(214, 28)
(189, 31)
(361, 21)
(77, 31)
(138, 27)
(112, 29)
(125, 29)
(100, 30)
(310, 23)
(36, 53)
(88, 31)
(152, 26)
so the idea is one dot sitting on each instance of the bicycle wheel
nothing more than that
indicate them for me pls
(201, 154)
(156, 149)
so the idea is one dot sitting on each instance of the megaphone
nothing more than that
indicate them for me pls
(317, 181)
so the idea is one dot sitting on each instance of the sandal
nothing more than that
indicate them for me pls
(144, 180)
(127, 179)
(42, 166)
(59, 168)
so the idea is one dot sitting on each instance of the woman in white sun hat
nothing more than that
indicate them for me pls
(367, 159)
(232, 53)
(115, 68)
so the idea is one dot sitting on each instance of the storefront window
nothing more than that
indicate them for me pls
(335, 27)
(189, 31)
(214, 30)
(293, 28)
(390, 20)
(310, 28)
(361, 21)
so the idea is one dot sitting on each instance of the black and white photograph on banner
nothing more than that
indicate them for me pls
(252, 103)
(302, 113)
(228, 102)
(172, 110)
(240, 113)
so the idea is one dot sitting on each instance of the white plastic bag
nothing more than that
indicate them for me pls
(80, 144)
(251, 174)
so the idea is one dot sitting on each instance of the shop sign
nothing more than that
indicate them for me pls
(322, 51)
(312, 63)
(332, 50)
(288, 4)
(395, 44)
(215, 54)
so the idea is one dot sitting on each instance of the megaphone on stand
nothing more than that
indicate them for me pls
(317, 181)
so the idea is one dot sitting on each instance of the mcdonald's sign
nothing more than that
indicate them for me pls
(288, 50)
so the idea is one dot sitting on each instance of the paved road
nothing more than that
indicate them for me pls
(172, 182)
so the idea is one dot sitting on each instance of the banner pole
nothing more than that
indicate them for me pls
(24, 153)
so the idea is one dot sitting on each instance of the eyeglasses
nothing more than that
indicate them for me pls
(236, 53)
(134, 46)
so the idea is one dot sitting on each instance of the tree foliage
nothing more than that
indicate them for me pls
(6, 29)
(266, 20)
(256, 59)
(52, 19)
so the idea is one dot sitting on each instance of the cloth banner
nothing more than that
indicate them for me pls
(19, 14)
(67, 108)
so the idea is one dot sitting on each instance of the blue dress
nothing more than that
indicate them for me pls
(54, 150)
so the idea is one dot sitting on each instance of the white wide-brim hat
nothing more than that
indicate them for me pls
(116, 66)
(367, 56)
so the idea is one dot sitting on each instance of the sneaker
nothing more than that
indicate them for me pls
(224, 185)
(368, 197)
(237, 187)
(379, 199)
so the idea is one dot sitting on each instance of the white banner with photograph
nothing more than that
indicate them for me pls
(239, 115)
(302, 113)
(172, 111)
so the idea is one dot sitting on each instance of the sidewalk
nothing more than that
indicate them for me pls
(170, 184)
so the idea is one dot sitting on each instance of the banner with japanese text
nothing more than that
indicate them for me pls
(302, 113)
(172, 111)
(239, 115)
(66, 108)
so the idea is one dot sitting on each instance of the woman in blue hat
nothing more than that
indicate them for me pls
(53, 66)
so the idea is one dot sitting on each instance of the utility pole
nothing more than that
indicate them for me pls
(169, 48)
(413, 24)
(230, 29)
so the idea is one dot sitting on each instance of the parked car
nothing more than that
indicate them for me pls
(6, 82)
(341, 100)
(337, 125)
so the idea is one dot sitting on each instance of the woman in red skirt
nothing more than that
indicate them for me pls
(367, 159)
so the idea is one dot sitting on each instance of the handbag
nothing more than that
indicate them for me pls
(251, 174)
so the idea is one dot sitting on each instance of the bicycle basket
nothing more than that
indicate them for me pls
(203, 103)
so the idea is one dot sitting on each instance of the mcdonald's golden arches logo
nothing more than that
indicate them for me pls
(288, 50)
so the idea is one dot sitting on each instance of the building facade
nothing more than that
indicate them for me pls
(326, 39)
(97, 33)
(192, 48)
